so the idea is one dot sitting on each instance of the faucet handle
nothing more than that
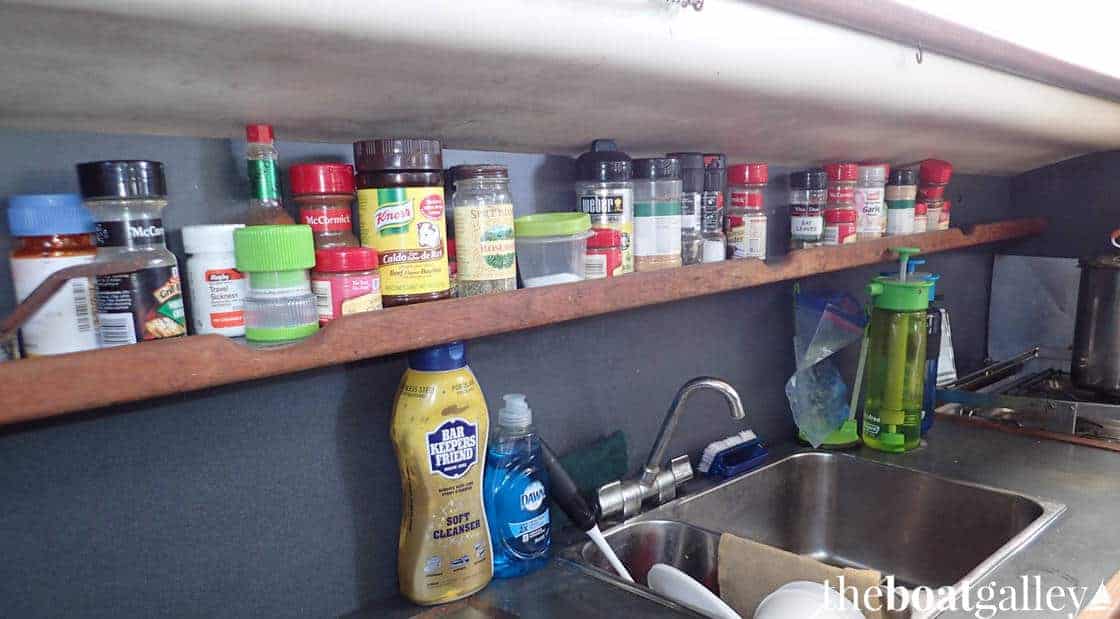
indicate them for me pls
(678, 472)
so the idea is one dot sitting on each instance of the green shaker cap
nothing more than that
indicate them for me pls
(893, 441)
(274, 248)
(552, 224)
(892, 293)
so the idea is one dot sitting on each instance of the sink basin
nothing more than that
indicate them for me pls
(842, 510)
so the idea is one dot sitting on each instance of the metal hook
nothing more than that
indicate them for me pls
(918, 56)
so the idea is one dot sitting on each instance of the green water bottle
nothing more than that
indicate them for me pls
(896, 360)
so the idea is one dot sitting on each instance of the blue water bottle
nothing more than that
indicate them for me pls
(515, 491)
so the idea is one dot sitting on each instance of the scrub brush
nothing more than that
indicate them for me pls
(713, 449)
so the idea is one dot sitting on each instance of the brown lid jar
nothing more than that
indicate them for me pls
(402, 215)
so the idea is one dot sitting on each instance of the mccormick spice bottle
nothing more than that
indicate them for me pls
(52, 232)
(605, 191)
(345, 281)
(126, 199)
(604, 254)
(401, 215)
(807, 196)
(324, 193)
(746, 219)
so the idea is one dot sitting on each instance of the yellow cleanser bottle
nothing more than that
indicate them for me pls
(439, 428)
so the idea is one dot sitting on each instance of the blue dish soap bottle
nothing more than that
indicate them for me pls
(515, 487)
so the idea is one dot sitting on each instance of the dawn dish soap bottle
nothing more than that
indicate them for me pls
(439, 430)
(515, 489)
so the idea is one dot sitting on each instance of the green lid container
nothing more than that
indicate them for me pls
(274, 248)
(551, 224)
(899, 295)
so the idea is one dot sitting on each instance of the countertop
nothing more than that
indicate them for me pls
(1080, 549)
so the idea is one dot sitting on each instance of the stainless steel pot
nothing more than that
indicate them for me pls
(1096, 336)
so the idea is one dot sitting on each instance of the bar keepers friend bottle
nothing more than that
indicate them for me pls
(439, 428)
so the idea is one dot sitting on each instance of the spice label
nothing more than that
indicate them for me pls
(330, 219)
(595, 266)
(613, 208)
(900, 221)
(746, 237)
(841, 194)
(66, 322)
(746, 199)
(870, 218)
(711, 211)
(839, 234)
(690, 211)
(226, 290)
(132, 233)
(806, 227)
(342, 296)
(406, 226)
(263, 180)
(484, 246)
(138, 306)
(657, 228)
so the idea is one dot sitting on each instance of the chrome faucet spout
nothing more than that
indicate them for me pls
(656, 483)
(672, 418)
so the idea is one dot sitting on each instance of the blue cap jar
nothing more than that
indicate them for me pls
(48, 214)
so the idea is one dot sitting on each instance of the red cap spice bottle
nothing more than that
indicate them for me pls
(933, 176)
(325, 195)
(745, 221)
(604, 254)
(345, 281)
(841, 183)
(839, 225)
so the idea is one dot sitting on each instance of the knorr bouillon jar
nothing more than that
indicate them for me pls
(401, 215)
(439, 428)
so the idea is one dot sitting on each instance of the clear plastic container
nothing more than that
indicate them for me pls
(280, 307)
(552, 247)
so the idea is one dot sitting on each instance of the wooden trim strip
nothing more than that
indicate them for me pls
(48, 386)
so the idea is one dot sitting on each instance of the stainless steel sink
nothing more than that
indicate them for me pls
(843, 510)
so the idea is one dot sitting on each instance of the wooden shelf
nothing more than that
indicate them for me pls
(48, 386)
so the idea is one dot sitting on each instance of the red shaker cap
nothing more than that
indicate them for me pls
(316, 178)
(755, 173)
(261, 134)
(946, 205)
(840, 215)
(935, 172)
(920, 208)
(342, 259)
(451, 249)
(604, 238)
(845, 171)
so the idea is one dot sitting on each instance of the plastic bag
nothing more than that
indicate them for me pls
(824, 324)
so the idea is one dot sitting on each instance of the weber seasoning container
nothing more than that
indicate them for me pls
(126, 199)
(401, 215)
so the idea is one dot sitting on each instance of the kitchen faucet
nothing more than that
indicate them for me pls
(626, 496)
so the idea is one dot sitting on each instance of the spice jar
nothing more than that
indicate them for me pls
(280, 307)
(839, 225)
(657, 213)
(745, 220)
(692, 187)
(713, 240)
(899, 195)
(217, 289)
(345, 281)
(604, 254)
(933, 176)
(484, 247)
(401, 216)
(126, 199)
(605, 192)
(453, 267)
(943, 216)
(324, 193)
(841, 184)
(871, 221)
(920, 219)
(51, 232)
(807, 195)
